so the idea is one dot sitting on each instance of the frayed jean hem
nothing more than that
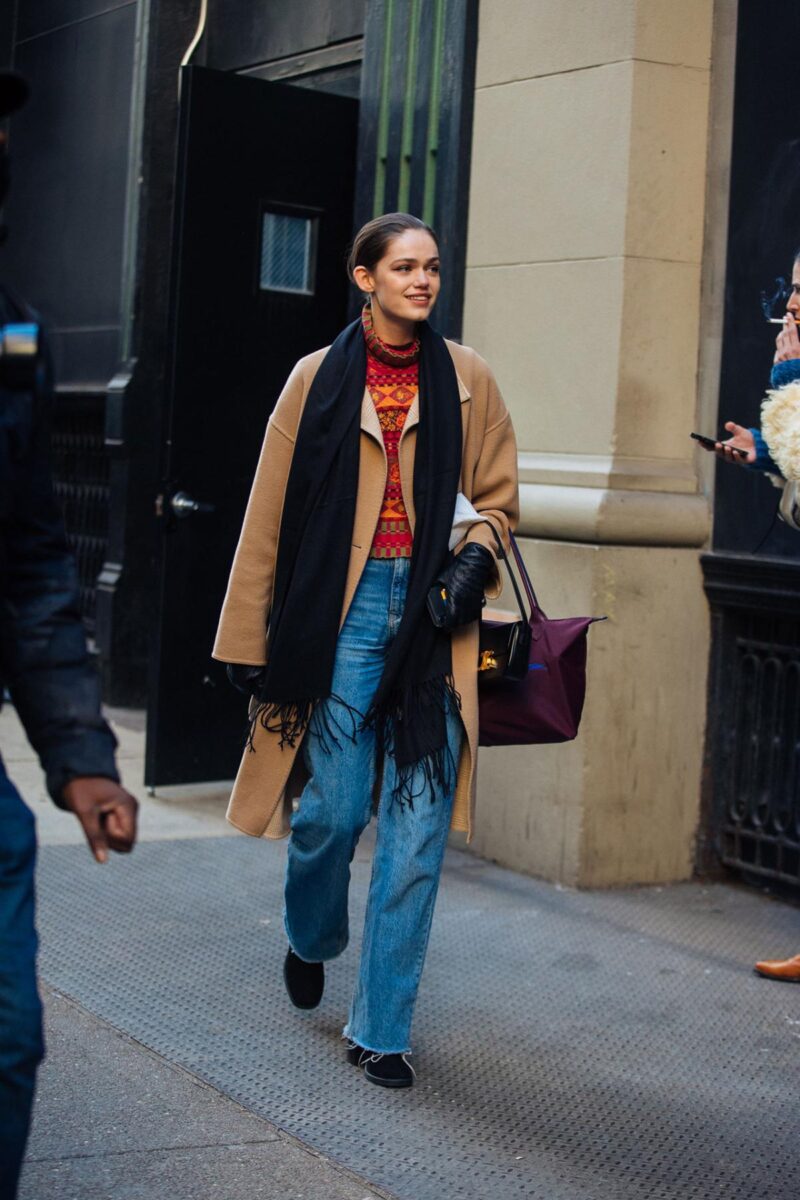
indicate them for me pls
(317, 957)
(348, 1035)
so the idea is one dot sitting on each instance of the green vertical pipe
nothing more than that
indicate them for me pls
(434, 102)
(383, 113)
(407, 137)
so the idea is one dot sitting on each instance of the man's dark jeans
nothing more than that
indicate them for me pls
(21, 1045)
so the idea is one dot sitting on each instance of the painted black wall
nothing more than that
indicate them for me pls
(764, 233)
(70, 144)
(67, 217)
(242, 33)
(69, 148)
(7, 19)
(390, 27)
(134, 413)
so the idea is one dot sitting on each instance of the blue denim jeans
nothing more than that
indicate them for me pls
(21, 1046)
(335, 808)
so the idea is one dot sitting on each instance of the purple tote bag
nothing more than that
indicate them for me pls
(546, 705)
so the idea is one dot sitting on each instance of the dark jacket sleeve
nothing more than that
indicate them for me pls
(43, 654)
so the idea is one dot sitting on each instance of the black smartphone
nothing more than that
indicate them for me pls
(710, 443)
(437, 604)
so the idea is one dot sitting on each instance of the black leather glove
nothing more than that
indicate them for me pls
(457, 596)
(245, 679)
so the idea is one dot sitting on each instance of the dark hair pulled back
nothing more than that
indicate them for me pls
(372, 239)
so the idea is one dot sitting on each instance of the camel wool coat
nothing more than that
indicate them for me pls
(269, 777)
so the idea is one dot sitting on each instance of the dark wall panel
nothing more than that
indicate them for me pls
(415, 132)
(42, 16)
(340, 81)
(241, 33)
(764, 234)
(66, 210)
(7, 20)
(347, 20)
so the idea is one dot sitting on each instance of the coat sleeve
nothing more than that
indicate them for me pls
(780, 426)
(494, 484)
(242, 631)
(43, 654)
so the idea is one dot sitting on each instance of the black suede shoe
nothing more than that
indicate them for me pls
(354, 1052)
(305, 981)
(388, 1070)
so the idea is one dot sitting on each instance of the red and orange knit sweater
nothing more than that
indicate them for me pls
(393, 390)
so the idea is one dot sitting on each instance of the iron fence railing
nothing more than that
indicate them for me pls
(760, 829)
(80, 473)
(752, 805)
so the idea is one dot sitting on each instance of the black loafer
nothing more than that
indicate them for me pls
(388, 1070)
(305, 981)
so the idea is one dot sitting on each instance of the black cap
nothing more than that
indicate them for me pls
(13, 92)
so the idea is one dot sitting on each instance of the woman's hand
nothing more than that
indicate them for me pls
(462, 585)
(787, 343)
(246, 679)
(742, 440)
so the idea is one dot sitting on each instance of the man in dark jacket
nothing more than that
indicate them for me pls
(45, 668)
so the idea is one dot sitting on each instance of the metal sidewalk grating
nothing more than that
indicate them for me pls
(570, 1045)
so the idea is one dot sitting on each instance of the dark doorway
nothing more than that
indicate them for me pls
(263, 218)
(752, 791)
(764, 235)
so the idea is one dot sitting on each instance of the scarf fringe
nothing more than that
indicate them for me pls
(291, 719)
(333, 719)
(288, 718)
(328, 728)
(435, 770)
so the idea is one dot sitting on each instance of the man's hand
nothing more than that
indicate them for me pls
(107, 813)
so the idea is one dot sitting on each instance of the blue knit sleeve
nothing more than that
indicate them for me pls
(764, 460)
(782, 374)
(785, 372)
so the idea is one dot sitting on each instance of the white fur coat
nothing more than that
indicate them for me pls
(780, 425)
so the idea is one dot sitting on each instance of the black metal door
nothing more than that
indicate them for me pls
(263, 217)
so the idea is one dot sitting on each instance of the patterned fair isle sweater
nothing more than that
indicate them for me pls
(393, 390)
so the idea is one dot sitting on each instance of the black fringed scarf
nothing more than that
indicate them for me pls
(416, 690)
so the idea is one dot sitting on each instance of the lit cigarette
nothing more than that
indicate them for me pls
(779, 321)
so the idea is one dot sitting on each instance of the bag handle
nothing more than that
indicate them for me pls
(526, 579)
(536, 609)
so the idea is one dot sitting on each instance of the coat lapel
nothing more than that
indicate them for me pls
(369, 418)
(413, 413)
(405, 450)
(371, 426)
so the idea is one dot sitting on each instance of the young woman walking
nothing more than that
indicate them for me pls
(359, 702)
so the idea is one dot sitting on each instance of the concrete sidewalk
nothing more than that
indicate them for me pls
(113, 1120)
(570, 1045)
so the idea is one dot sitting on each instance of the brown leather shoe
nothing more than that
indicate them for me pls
(788, 970)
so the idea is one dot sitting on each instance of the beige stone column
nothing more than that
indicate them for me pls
(585, 248)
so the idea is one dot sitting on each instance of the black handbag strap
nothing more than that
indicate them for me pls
(526, 579)
(536, 608)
